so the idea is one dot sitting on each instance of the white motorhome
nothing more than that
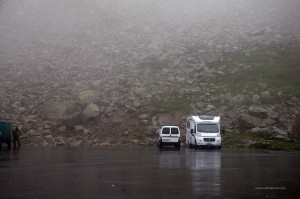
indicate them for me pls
(203, 131)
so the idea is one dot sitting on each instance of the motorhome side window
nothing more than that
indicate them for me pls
(174, 131)
(166, 131)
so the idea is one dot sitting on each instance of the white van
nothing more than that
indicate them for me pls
(203, 131)
(169, 135)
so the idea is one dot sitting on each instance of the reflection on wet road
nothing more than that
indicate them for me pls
(146, 172)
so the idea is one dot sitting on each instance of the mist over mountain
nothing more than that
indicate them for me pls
(98, 72)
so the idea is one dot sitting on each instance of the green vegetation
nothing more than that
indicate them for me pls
(89, 96)
(59, 109)
(243, 140)
(171, 101)
(30, 141)
(270, 72)
(275, 66)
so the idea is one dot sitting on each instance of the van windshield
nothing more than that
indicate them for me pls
(208, 128)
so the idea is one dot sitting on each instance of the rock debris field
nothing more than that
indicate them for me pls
(93, 73)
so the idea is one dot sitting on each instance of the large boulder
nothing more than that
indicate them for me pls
(258, 112)
(249, 122)
(90, 111)
(270, 130)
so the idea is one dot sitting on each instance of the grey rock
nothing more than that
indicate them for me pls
(145, 122)
(270, 130)
(78, 128)
(76, 143)
(62, 129)
(280, 137)
(257, 33)
(46, 132)
(136, 104)
(248, 122)
(266, 96)
(33, 133)
(238, 99)
(90, 111)
(210, 107)
(143, 116)
(48, 137)
(255, 99)
(154, 121)
(258, 112)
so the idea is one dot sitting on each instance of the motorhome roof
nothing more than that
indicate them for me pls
(206, 118)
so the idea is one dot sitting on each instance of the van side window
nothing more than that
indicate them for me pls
(166, 131)
(174, 131)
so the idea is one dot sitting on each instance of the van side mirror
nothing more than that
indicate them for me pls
(192, 131)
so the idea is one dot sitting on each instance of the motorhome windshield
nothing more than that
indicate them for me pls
(208, 128)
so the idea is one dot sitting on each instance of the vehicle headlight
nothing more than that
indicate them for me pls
(219, 135)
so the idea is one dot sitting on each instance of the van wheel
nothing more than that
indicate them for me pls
(177, 145)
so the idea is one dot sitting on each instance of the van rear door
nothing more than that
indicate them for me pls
(165, 134)
(175, 134)
(170, 134)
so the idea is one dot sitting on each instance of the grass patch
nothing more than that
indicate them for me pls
(244, 140)
(170, 101)
(30, 141)
(277, 66)
(277, 145)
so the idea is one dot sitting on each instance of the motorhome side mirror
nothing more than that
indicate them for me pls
(192, 131)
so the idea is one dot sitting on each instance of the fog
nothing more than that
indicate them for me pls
(68, 32)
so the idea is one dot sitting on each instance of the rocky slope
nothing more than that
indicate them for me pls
(112, 73)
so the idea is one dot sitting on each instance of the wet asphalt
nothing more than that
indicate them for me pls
(147, 172)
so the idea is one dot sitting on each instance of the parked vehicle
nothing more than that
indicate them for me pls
(5, 133)
(169, 135)
(202, 131)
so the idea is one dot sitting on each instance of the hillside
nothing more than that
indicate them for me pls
(113, 73)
